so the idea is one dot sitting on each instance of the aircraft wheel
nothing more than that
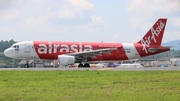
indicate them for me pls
(80, 65)
(86, 65)
(26, 66)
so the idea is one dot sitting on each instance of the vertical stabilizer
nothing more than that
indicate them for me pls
(155, 34)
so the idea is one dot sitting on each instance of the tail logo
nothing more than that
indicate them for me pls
(157, 31)
(154, 32)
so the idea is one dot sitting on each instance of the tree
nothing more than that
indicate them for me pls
(6, 44)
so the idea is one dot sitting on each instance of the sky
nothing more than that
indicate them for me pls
(86, 20)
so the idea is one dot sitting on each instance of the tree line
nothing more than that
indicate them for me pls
(6, 44)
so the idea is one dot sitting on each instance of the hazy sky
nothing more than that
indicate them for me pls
(86, 20)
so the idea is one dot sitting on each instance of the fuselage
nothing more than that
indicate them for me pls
(51, 49)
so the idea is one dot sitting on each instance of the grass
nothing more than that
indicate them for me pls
(89, 85)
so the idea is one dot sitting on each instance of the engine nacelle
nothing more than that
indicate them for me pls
(66, 60)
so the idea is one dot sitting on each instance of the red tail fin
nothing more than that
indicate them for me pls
(155, 34)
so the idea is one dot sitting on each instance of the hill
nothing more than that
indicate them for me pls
(174, 43)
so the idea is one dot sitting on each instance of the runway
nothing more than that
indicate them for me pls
(101, 69)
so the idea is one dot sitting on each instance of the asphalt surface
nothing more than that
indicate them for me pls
(111, 69)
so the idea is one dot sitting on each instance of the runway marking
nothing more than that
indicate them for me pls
(105, 68)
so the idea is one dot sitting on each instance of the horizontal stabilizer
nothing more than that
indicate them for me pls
(159, 48)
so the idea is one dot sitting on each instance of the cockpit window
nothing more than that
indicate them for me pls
(15, 46)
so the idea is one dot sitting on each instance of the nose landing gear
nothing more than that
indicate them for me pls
(27, 64)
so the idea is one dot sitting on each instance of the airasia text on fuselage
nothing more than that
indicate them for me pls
(53, 48)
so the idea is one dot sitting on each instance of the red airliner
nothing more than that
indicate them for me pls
(68, 53)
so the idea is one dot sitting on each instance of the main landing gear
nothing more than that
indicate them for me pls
(85, 65)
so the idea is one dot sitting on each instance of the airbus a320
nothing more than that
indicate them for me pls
(68, 53)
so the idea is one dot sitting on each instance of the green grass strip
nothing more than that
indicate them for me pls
(89, 85)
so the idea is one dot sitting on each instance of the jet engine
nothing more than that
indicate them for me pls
(66, 60)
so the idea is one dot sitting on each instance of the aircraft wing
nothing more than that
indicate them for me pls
(92, 53)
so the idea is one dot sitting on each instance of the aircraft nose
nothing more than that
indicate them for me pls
(7, 53)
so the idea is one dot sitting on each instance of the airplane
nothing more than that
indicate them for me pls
(112, 64)
(137, 65)
(68, 53)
